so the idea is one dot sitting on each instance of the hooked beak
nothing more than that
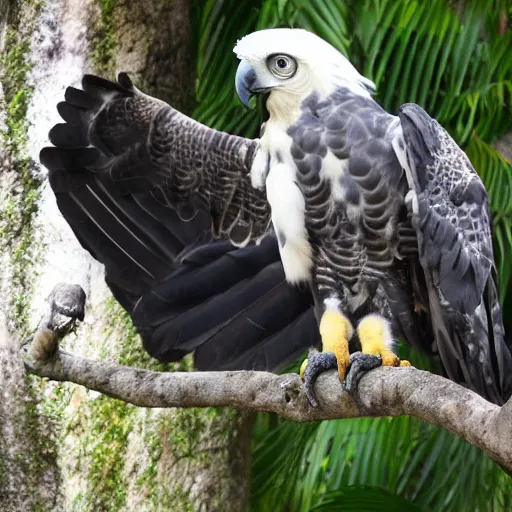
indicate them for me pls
(247, 83)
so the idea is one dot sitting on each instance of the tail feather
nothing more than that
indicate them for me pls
(74, 114)
(228, 326)
(80, 99)
(62, 136)
(251, 336)
(273, 352)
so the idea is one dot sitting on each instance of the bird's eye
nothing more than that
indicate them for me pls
(282, 66)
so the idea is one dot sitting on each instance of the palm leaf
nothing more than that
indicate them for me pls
(404, 456)
(363, 499)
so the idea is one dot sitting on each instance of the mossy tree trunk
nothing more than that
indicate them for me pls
(61, 446)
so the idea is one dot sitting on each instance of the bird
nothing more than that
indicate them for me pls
(343, 227)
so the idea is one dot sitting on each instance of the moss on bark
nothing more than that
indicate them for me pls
(28, 455)
(19, 201)
(150, 40)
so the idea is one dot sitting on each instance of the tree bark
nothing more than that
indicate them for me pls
(63, 447)
(385, 391)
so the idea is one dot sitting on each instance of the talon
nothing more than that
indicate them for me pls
(389, 358)
(403, 362)
(318, 362)
(359, 365)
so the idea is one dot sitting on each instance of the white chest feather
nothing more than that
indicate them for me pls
(288, 209)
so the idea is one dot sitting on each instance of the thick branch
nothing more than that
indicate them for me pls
(383, 392)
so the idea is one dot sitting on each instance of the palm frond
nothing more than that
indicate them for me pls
(361, 498)
(405, 456)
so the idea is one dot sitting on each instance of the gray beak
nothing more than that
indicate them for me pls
(246, 83)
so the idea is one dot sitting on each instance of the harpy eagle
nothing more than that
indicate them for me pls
(342, 223)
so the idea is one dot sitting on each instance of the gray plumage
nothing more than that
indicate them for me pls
(450, 211)
(188, 165)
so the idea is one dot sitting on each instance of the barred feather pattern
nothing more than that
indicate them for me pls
(354, 189)
(193, 167)
(451, 215)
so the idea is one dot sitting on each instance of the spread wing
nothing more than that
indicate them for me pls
(146, 145)
(160, 200)
(451, 216)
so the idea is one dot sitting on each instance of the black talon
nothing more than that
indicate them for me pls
(359, 365)
(318, 362)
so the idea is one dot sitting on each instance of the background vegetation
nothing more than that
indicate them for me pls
(455, 60)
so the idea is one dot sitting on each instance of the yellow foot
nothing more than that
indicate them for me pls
(375, 336)
(336, 330)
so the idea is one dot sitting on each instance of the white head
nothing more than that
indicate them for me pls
(291, 64)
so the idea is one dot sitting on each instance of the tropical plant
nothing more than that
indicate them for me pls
(454, 58)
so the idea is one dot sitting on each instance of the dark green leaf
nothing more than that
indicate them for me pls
(364, 499)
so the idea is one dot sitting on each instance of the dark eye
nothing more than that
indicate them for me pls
(282, 66)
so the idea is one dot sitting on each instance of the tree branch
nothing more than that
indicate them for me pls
(383, 392)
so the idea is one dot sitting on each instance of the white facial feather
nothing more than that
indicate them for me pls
(320, 66)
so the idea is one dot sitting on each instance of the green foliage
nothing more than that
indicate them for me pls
(451, 58)
(104, 39)
(363, 499)
(296, 466)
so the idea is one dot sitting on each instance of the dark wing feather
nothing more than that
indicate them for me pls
(451, 217)
(148, 192)
(145, 145)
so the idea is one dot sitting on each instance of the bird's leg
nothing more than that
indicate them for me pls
(335, 331)
(376, 339)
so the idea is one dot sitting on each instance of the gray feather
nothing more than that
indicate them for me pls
(451, 217)
(148, 144)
